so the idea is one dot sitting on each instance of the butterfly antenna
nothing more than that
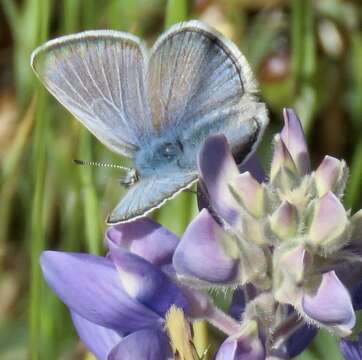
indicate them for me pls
(98, 164)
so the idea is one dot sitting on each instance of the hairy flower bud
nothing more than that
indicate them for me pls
(293, 137)
(284, 221)
(249, 193)
(331, 175)
(328, 228)
(283, 171)
(290, 264)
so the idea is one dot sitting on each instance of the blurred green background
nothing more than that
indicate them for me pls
(306, 54)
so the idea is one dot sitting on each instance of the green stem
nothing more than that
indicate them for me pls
(37, 226)
(37, 233)
(304, 60)
(355, 178)
(90, 199)
(176, 11)
(12, 13)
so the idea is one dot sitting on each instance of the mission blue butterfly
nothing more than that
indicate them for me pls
(156, 107)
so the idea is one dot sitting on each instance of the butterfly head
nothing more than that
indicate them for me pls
(130, 178)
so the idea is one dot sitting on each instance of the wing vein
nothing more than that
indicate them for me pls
(85, 109)
(72, 87)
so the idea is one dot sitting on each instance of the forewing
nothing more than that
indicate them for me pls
(200, 79)
(149, 194)
(99, 76)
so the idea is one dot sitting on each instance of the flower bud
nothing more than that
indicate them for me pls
(283, 171)
(249, 193)
(284, 221)
(329, 224)
(293, 137)
(331, 175)
(254, 230)
(281, 158)
(290, 263)
(356, 222)
(253, 264)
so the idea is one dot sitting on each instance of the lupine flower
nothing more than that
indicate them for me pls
(119, 302)
(289, 238)
(284, 243)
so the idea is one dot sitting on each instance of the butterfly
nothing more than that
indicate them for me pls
(156, 107)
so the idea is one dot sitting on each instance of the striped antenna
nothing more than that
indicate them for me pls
(98, 164)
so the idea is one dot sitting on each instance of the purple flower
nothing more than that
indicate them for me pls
(145, 238)
(118, 303)
(338, 312)
(216, 168)
(284, 244)
(289, 238)
(351, 349)
(204, 247)
(107, 315)
(292, 136)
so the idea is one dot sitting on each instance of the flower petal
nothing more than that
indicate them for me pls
(200, 253)
(217, 168)
(89, 285)
(250, 193)
(351, 350)
(300, 340)
(98, 339)
(238, 302)
(356, 294)
(293, 136)
(204, 201)
(253, 166)
(242, 347)
(282, 159)
(144, 344)
(146, 283)
(331, 305)
(146, 238)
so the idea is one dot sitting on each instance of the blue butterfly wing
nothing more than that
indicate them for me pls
(200, 84)
(149, 194)
(99, 76)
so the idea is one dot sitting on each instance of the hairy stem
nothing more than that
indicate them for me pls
(222, 321)
(286, 329)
